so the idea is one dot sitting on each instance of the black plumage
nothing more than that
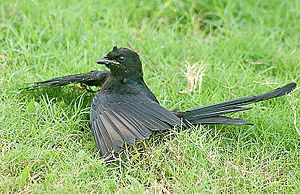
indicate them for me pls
(125, 110)
(92, 78)
(116, 118)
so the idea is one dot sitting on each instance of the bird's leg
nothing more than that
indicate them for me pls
(88, 88)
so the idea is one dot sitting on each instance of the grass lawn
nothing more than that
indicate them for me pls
(239, 48)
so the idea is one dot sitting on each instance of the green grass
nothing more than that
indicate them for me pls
(249, 47)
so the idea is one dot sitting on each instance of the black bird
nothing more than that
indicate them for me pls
(125, 110)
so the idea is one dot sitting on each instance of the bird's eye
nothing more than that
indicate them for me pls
(121, 58)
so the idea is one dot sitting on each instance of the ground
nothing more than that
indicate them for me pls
(236, 48)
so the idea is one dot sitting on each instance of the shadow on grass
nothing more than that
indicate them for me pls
(67, 94)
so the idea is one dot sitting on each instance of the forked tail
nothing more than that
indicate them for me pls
(213, 114)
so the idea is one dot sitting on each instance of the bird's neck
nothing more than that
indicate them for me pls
(127, 85)
(122, 83)
(128, 76)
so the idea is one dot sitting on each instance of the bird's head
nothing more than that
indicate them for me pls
(122, 62)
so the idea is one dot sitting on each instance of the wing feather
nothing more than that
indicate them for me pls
(125, 125)
(146, 117)
(111, 133)
(92, 78)
(125, 118)
(120, 128)
(162, 114)
(140, 127)
(102, 145)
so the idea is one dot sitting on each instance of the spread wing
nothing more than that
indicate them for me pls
(92, 78)
(116, 119)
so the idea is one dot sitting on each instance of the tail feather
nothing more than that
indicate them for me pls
(220, 120)
(216, 112)
(211, 114)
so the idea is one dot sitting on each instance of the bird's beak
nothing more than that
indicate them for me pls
(106, 61)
